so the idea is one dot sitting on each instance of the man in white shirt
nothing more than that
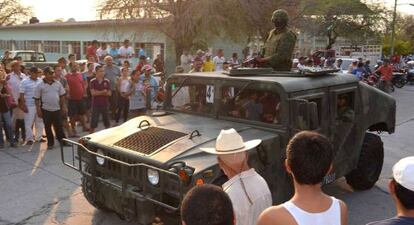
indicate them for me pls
(102, 52)
(247, 190)
(126, 52)
(219, 60)
(185, 61)
(13, 79)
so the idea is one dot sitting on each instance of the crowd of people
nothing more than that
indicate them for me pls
(204, 61)
(245, 199)
(69, 94)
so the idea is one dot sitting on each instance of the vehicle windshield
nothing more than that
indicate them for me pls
(254, 104)
(194, 98)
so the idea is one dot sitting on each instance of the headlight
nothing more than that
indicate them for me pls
(153, 176)
(100, 160)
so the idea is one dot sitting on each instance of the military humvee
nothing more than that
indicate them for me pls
(147, 164)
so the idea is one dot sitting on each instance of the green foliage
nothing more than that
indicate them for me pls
(12, 12)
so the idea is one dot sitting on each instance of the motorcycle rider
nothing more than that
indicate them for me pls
(386, 76)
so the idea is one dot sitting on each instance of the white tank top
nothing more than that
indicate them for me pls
(332, 216)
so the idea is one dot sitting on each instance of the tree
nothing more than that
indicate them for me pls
(12, 12)
(346, 18)
(186, 22)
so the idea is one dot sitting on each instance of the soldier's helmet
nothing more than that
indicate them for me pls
(280, 16)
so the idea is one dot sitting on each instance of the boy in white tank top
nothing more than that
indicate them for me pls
(309, 159)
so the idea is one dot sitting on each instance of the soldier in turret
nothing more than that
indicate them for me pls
(279, 46)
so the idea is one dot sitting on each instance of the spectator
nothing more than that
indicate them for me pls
(234, 61)
(18, 115)
(295, 63)
(114, 52)
(338, 64)
(179, 69)
(208, 65)
(247, 190)
(124, 86)
(27, 91)
(63, 64)
(150, 83)
(159, 64)
(141, 63)
(126, 52)
(197, 66)
(207, 204)
(72, 59)
(76, 106)
(185, 61)
(6, 59)
(386, 76)
(137, 102)
(90, 74)
(112, 73)
(126, 64)
(302, 62)
(49, 97)
(14, 79)
(352, 66)
(402, 191)
(91, 50)
(200, 55)
(367, 67)
(141, 51)
(102, 52)
(359, 71)
(6, 104)
(59, 77)
(100, 90)
(219, 60)
(309, 160)
(226, 66)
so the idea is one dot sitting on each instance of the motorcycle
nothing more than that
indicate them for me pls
(398, 79)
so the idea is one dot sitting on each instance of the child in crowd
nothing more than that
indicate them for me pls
(124, 86)
(137, 103)
(19, 129)
(309, 157)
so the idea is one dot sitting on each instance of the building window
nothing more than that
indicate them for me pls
(6, 44)
(33, 45)
(51, 46)
(20, 45)
(71, 47)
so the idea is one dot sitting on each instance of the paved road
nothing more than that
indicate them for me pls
(35, 188)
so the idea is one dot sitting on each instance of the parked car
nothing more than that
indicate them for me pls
(32, 58)
(146, 165)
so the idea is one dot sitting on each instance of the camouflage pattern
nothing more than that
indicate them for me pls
(280, 43)
(372, 110)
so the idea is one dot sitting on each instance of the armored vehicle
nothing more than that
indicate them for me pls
(147, 164)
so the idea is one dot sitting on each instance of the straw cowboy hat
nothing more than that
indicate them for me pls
(230, 142)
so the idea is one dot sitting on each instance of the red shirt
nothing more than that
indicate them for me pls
(91, 51)
(386, 72)
(100, 101)
(139, 67)
(76, 88)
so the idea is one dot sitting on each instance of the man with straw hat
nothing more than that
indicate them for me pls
(248, 191)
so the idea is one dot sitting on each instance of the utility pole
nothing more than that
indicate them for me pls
(393, 28)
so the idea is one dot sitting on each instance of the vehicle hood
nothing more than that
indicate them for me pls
(182, 149)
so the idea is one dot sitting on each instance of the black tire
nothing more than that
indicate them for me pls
(369, 165)
(399, 83)
(90, 192)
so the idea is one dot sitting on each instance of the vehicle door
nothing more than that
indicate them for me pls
(343, 120)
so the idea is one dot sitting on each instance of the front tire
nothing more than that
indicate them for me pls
(369, 165)
(90, 191)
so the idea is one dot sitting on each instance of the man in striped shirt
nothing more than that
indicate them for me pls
(27, 91)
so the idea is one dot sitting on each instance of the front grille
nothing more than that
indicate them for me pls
(149, 140)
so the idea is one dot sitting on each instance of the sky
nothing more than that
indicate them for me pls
(83, 10)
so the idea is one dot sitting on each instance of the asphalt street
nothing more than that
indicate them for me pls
(36, 188)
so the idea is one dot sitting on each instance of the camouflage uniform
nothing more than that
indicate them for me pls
(280, 44)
